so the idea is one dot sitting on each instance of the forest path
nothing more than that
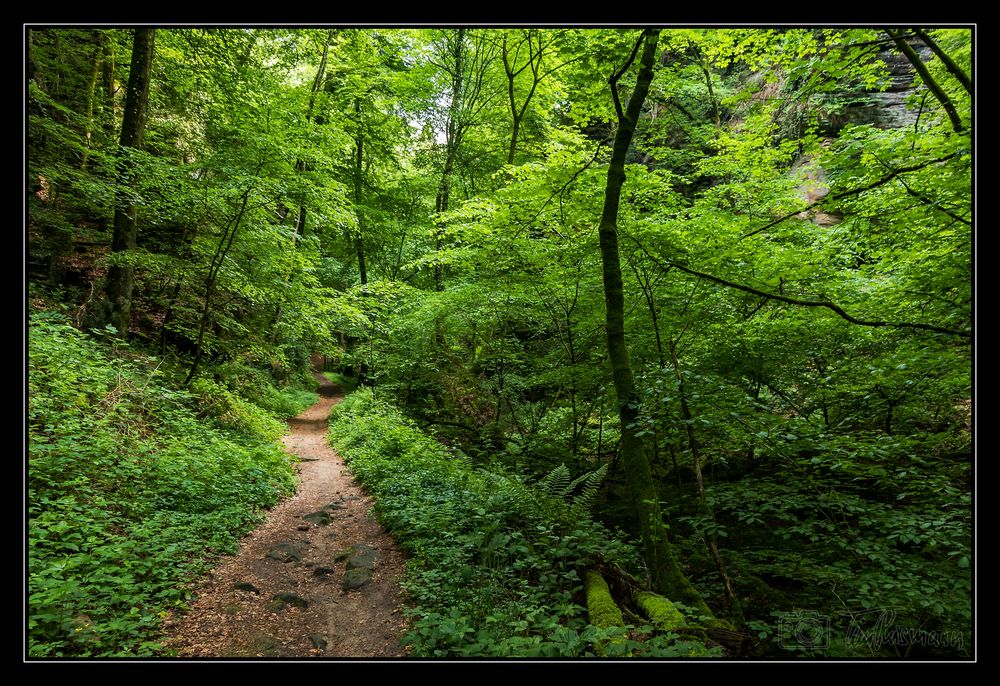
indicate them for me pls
(319, 577)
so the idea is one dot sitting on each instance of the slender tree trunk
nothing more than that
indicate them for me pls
(89, 114)
(300, 164)
(359, 245)
(221, 251)
(168, 318)
(711, 95)
(452, 141)
(108, 86)
(32, 64)
(925, 75)
(949, 63)
(713, 547)
(665, 573)
(120, 278)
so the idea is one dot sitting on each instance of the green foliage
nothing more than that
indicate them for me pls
(494, 563)
(780, 160)
(129, 494)
(259, 387)
(346, 383)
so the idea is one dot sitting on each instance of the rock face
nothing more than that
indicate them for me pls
(888, 109)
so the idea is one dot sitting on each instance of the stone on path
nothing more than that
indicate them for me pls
(319, 518)
(285, 552)
(282, 600)
(246, 586)
(360, 564)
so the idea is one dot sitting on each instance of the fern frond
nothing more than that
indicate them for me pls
(555, 482)
(591, 484)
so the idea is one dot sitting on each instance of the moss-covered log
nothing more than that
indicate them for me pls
(602, 611)
(660, 611)
(601, 607)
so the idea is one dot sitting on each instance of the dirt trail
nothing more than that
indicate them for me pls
(239, 610)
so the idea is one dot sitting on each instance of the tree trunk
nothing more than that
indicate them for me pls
(660, 611)
(665, 573)
(949, 63)
(221, 251)
(359, 245)
(108, 86)
(300, 165)
(452, 141)
(713, 547)
(925, 75)
(88, 131)
(602, 611)
(121, 277)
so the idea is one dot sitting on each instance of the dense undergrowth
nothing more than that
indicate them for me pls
(495, 564)
(133, 485)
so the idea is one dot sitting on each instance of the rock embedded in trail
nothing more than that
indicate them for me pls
(246, 586)
(361, 556)
(319, 518)
(356, 578)
(318, 641)
(285, 552)
(281, 601)
(360, 565)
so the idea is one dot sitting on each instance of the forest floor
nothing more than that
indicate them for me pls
(319, 577)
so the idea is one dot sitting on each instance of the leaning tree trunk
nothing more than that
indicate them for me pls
(925, 76)
(665, 574)
(946, 59)
(120, 277)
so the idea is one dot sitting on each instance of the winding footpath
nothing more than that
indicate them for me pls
(319, 577)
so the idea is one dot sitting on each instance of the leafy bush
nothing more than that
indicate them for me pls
(258, 387)
(129, 492)
(346, 383)
(495, 563)
(234, 412)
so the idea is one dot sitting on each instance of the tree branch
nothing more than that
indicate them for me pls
(925, 75)
(923, 198)
(846, 194)
(949, 63)
(621, 72)
(836, 309)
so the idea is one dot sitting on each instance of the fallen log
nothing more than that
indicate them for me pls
(602, 611)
